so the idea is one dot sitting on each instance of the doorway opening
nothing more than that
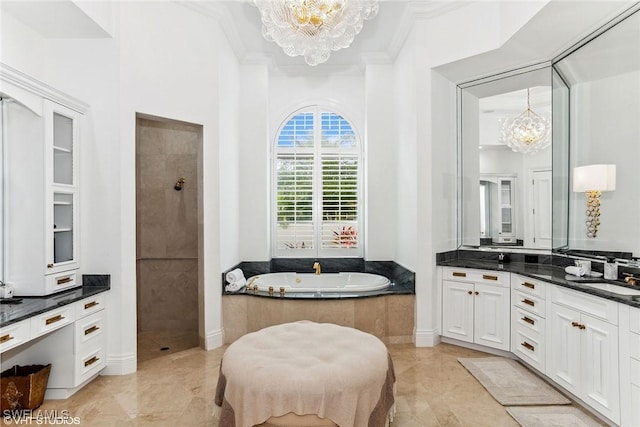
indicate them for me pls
(168, 191)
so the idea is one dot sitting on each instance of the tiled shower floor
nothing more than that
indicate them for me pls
(160, 343)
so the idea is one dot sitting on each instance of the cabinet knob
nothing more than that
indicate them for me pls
(477, 293)
(470, 292)
(49, 265)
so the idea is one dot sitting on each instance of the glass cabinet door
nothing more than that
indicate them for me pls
(61, 134)
(507, 229)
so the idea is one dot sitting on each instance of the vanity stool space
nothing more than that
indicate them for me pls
(66, 330)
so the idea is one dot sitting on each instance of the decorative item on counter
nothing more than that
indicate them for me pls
(611, 269)
(6, 290)
(574, 271)
(585, 265)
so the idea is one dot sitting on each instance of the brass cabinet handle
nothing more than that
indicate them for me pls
(578, 325)
(63, 280)
(6, 338)
(54, 319)
(529, 302)
(470, 292)
(528, 285)
(457, 274)
(91, 330)
(529, 321)
(477, 293)
(90, 304)
(582, 327)
(489, 277)
(528, 346)
(91, 361)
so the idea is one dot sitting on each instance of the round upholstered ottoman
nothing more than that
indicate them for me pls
(306, 374)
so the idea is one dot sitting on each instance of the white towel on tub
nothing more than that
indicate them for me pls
(235, 286)
(234, 276)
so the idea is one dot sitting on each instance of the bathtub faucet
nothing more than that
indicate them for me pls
(316, 267)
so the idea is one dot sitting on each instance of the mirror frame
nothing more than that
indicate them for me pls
(459, 151)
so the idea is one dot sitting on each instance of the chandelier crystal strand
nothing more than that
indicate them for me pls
(314, 28)
(527, 133)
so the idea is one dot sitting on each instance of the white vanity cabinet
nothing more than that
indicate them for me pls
(475, 306)
(71, 338)
(42, 241)
(582, 355)
(629, 366)
(528, 317)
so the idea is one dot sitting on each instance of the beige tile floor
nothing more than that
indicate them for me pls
(177, 389)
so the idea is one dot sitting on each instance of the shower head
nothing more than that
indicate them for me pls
(178, 186)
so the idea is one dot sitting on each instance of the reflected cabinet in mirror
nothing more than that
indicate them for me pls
(597, 142)
(505, 160)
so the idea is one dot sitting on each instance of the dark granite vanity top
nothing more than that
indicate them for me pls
(548, 273)
(32, 306)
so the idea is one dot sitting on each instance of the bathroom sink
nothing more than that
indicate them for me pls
(614, 289)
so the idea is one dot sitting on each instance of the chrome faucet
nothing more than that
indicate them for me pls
(316, 267)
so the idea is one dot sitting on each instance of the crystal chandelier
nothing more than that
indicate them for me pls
(527, 133)
(314, 28)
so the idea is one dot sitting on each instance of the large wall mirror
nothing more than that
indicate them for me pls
(598, 114)
(505, 163)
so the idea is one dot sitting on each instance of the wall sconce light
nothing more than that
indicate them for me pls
(593, 180)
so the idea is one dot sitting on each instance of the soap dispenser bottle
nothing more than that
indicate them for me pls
(611, 269)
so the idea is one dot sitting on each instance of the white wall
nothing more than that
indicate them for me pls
(381, 142)
(151, 66)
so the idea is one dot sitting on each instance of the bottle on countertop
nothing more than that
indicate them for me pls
(611, 269)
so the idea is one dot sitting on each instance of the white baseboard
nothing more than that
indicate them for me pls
(427, 338)
(121, 364)
(479, 347)
(214, 339)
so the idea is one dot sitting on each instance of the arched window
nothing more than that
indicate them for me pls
(317, 187)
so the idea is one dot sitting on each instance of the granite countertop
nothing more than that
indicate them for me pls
(32, 306)
(551, 274)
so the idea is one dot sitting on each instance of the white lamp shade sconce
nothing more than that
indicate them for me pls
(593, 180)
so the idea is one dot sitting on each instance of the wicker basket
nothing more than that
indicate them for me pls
(23, 387)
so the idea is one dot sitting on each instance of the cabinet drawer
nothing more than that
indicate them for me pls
(60, 281)
(88, 330)
(590, 304)
(634, 320)
(529, 346)
(529, 303)
(528, 286)
(490, 277)
(89, 363)
(52, 320)
(527, 320)
(15, 334)
(89, 305)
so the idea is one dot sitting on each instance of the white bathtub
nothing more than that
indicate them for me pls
(325, 282)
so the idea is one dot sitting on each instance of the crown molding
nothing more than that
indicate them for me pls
(9, 76)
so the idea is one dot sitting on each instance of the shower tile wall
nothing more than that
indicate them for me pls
(167, 228)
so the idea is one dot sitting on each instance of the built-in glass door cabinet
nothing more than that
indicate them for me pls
(42, 219)
(506, 203)
(582, 355)
(528, 319)
(629, 365)
(475, 307)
